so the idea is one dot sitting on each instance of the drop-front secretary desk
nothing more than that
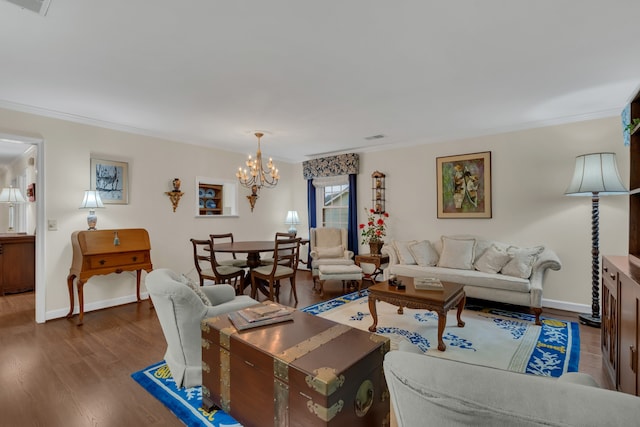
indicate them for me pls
(103, 252)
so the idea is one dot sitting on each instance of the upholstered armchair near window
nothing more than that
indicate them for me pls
(180, 305)
(329, 246)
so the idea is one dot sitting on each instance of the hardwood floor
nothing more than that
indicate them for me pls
(58, 374)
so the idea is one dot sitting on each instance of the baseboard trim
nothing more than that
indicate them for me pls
(566, 306)
(96, 305)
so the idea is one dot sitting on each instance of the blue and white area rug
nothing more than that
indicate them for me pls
(185, 403)
(490, 337)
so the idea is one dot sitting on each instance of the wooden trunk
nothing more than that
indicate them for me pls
(308, 372)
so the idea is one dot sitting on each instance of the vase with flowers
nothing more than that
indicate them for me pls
(374, 230)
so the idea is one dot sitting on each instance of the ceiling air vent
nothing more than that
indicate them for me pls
(372, 137)
(38, 6)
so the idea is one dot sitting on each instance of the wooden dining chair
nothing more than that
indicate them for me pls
(279, 235)
(286, 254)
(205, 261)
(227, 238)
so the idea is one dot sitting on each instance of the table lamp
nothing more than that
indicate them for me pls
(595, 175)
(292, 219)
(91, 201)
(11, 196)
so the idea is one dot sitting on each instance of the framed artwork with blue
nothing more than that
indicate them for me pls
(111, 179)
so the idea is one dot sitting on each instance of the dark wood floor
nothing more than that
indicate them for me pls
(58, 374)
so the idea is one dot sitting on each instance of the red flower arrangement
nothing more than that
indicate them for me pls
(374, 229)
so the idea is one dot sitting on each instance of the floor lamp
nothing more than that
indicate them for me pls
(595, 175)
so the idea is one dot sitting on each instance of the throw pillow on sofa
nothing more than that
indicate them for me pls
(492, 260)
(424, 254)
(522, 262)
(402, 249)
(457, 253)
(196, 288)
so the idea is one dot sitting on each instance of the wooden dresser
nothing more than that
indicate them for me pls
(620, 322)
(98, 252)
(17, 263)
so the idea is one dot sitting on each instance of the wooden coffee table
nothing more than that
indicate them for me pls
(438, 301)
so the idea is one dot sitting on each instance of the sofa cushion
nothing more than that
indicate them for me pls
(457, 253)
(522, 262)
(402, 250)
(492, 260)
(466, 277)
(424, 254)
(331, 252)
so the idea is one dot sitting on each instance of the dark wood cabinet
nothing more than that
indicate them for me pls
(17, 263)
(621, 321)
(629, 335)
(621, 285)
(609, 317)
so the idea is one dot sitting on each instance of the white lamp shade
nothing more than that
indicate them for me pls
(596, 173)
(11, 195)
(91, 200)
(292, 218)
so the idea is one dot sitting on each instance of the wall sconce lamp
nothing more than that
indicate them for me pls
(293, 220)
(595, 175)
(91, 201)
(11, 196)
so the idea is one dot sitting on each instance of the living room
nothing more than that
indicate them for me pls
(532, 164)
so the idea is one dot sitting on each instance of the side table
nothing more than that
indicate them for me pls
(380, 262)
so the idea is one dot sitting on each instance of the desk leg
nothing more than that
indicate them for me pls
(138, 276)
(81, 302)
(374, 313)
(70, 279)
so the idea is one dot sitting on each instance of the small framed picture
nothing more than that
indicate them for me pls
(464, 185)
(31, 192)
(111, 179)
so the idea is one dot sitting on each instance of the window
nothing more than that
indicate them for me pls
(335, 206)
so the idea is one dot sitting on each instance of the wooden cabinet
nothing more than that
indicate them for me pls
(609, 336)
(629, 337)
(621, 321)
(17, 263)
(104, 252)
(634, 181)
(210, 199)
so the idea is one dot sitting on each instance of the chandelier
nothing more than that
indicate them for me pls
(256, 176)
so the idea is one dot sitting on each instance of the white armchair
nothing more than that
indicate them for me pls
(180, 310)
(329, 246)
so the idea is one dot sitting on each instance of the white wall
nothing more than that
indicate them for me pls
(530, 169)
(530, 172)
(153, 163)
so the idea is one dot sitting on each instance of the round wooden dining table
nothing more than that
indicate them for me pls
(251, 248)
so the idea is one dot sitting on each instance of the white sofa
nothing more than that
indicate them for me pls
(431, 391)
(489, 269)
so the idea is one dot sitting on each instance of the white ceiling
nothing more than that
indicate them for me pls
(319, 77)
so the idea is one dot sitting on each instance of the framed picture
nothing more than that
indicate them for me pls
(464, 185)
(111, 179)
(31, 192)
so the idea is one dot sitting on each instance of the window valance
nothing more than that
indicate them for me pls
(343, 164)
